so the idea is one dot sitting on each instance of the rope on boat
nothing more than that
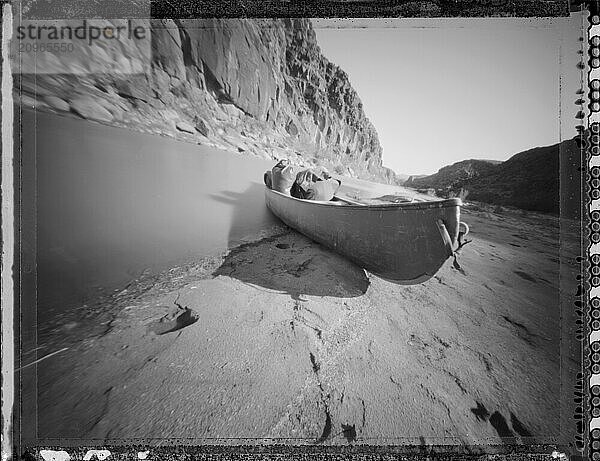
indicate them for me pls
(462, 233)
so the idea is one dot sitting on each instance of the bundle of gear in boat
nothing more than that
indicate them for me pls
(308, 183)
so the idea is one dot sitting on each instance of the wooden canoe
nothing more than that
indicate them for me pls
(405, 243)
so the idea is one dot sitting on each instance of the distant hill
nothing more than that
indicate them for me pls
(412, 177)
(401, 178)
(452, 176)
(528, 180)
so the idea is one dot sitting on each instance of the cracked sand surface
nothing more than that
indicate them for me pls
(294, 342)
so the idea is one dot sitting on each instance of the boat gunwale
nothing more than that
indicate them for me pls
(434, 204)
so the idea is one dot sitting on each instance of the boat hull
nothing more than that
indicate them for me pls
(400, 242)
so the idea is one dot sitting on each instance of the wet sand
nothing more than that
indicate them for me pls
(292, 341)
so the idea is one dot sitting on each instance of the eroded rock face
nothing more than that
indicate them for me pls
(87, 107)
(260, 84)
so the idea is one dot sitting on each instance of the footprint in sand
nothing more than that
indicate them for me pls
(428, 351)
(480, 412)
(526, 276)
(500, 424)
(176, 319)
(349, 432)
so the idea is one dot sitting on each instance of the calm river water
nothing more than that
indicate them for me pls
(112, 203)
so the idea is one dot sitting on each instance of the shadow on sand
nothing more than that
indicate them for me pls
(293, 264)
(287, 262)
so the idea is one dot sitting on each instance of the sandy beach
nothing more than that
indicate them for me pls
(284, 339)
(159, 301)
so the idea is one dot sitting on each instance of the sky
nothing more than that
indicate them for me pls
(445, 90)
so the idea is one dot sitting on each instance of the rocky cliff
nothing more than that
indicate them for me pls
(258, 87)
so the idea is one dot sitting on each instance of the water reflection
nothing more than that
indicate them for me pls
(247, 207)
(112, 203)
